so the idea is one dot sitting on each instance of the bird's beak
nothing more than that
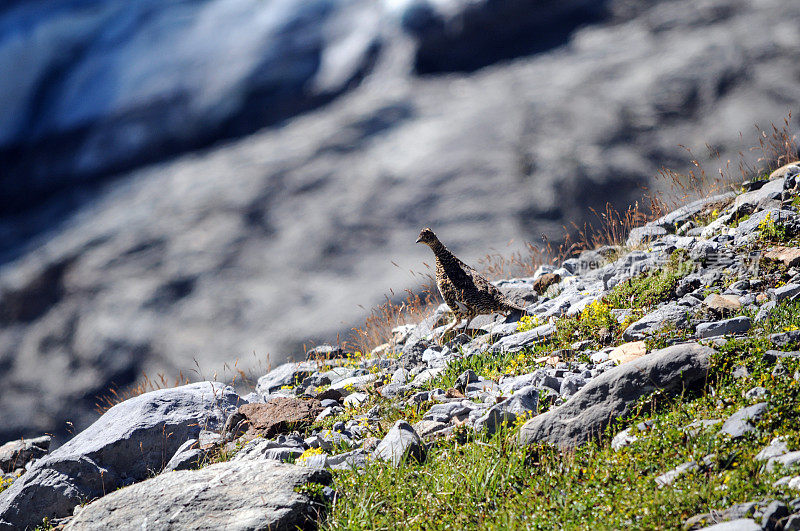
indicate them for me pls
(419, 240)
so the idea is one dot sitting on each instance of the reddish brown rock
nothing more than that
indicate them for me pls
(280, 415)
(628, 352)
(788, 256)
(454, 393)
(541, 284)
(722, 305)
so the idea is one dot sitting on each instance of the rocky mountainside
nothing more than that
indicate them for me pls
(652, 385)
(422, 115)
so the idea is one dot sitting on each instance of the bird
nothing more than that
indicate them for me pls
(465, 291)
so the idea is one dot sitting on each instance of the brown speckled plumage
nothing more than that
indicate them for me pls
(465, 291)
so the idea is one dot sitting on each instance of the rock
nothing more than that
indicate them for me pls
(722, 305)
(750, 226)
(775, 511)
(329, 397)
(766, 196)
(127, 444)
(353, 460)
(544, 281)
(467, 377)
(612, 394)
(776, 447)
(424, 428)
(426, 376)
(355, 399)
(655, 321)
(772, 356)
(623, 439)
(669, 477)
(792, 523)
(789, 291)
(243, 87)
(260, 449)
(786, 460)
(741, 422)
(400, 442)
(781, 172)
(765, 310)
(448, 411)
(788, 256)
(755, 393)
(288, 374)
(643, 235)
(693, 428)
(230, 495)
(735, 325)
(785, 339)
(189, 455)
(628, 352)
(356, 382)
(570, 384)
(523, 403)
(280, 415)
(16, 454)
(325, 352)
(516, 342)
(742, 524)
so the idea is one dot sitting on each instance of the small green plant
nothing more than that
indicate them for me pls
(5, 483)
(771, 230)
(595, 322)
(649, 289)
(309, 453)
(528, 322)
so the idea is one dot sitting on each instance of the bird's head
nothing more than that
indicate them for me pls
(426, 236)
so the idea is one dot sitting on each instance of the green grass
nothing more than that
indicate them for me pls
(650, 288)
(491, 483)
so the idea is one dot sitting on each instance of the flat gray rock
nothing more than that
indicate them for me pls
(285, 374)
(16, 454)
(742, 524)
(785, 339)
(653, 322)
(523, 402)
(740, 423)
(520, 340)
(234, 495)
(735, 325)
(789, 291)
(611, 395)
(130, 442)
(642, 235)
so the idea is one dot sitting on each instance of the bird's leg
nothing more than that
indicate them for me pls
(470, 317)
(456, 319)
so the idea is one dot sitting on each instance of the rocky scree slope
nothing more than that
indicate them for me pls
(655, 385)
(278, 238)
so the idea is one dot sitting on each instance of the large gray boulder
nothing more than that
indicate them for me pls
(130, 442)
(612, 394)
(234, 495)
